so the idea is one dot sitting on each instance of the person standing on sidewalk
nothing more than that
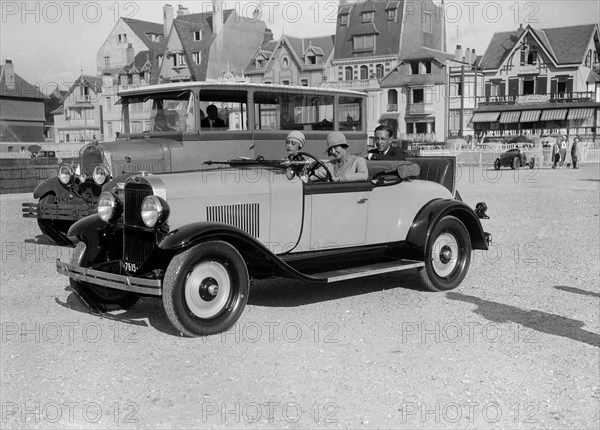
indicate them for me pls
(574, 151)
(564, 143)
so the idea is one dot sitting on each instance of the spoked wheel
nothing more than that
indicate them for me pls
(97, 297)
(205, 289)
(447, 256)
(55, 230)
(497, 164)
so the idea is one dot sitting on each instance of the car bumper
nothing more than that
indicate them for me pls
(132, 284)
(58, 212)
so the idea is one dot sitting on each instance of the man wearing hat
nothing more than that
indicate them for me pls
(293, 144)
(343, 166)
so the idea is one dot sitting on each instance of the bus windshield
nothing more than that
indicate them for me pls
(158, 113)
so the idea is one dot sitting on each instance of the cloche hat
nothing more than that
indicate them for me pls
(336, 138)
(296, 136)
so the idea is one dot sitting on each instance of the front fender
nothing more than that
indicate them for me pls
(258, 257)
(50, 185)
(98, 235)
(420, 229)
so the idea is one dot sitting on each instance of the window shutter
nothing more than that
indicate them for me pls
(488, 90)
(541, 85)
(502, 89)
(570, 84)
(513, 87)
(553, 85)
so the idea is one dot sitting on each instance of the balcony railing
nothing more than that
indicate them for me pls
(497, 100)
(582, 96)
(418, 137)
(420, 108)
(392, 108)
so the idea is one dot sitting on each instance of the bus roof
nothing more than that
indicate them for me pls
(329, 87)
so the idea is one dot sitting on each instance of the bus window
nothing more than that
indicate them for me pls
(231, 110)
(349, 114)
(284, 111)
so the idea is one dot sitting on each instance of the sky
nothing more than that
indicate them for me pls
(52, 42)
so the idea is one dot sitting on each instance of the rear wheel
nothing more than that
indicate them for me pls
(95, 295)
(447, 255)
(205, 289)
(55, 230)
(497, 164)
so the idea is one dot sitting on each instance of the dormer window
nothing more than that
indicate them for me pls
(414, 68)
(392, 13)
(196, 57)
(311, 59)
(122, 38)
(364, 43)
(368, 16)
(344, 19)
(197, 35)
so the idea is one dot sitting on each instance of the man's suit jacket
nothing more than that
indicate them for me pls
(205, 123)
(394, 153)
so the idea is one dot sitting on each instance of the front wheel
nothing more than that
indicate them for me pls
(205, 289)
(447, 255)
(94, 295)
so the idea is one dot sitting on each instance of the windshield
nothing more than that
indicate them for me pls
(159, 113)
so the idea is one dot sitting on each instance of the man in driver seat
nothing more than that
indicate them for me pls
(343, 167)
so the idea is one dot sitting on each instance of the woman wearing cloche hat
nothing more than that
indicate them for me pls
(343, 166)
(294, 143)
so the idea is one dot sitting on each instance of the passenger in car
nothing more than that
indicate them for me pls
(212, 120)
(344, 166)
(293, 144)
(384, 150)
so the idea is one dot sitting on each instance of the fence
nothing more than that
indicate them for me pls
(486, 157)
(23, 175)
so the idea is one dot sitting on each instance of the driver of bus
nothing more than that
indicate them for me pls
(161, 123)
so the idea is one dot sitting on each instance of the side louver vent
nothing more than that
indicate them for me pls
(242, 215)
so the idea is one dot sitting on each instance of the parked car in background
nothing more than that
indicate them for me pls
(514, 159)
(196, 239)
(162, 132)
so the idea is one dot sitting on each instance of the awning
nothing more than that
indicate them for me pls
(580, 113)
(554, 115)
(530, 115)
(485, 117)
(511, 116)
(389, 116)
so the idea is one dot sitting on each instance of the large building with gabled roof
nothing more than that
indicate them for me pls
(292, 60)
(541, 82)
(21, 108)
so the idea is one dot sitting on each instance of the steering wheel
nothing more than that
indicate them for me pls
(319, 163)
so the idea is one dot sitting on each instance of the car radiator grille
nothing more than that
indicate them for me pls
(137, 243)
(244, 216)
(91, 157)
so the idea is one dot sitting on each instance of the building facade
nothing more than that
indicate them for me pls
(541, 82)
(79, 118)
(372, 37)
(21, 109)
(292, 60)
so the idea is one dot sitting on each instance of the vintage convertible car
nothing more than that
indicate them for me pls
(195, 239)
(514, 159)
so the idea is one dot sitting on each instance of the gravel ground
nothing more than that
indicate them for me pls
(515, 346)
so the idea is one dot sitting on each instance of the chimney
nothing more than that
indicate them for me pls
(458, 55)
(9, 75)
(267, 36)
(468, 56)
(181, 10)
(473, 56)
(167, 19)
(130, 53)
(520, 29)
(256, 13)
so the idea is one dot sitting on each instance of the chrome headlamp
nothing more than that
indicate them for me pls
(109, 207)
(101, 174)
(155, 211)
(66, 175)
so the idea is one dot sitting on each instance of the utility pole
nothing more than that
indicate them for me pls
(462, 100)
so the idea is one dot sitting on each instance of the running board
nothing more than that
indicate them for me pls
(370, 270)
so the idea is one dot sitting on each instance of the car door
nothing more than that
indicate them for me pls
(338, 213)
